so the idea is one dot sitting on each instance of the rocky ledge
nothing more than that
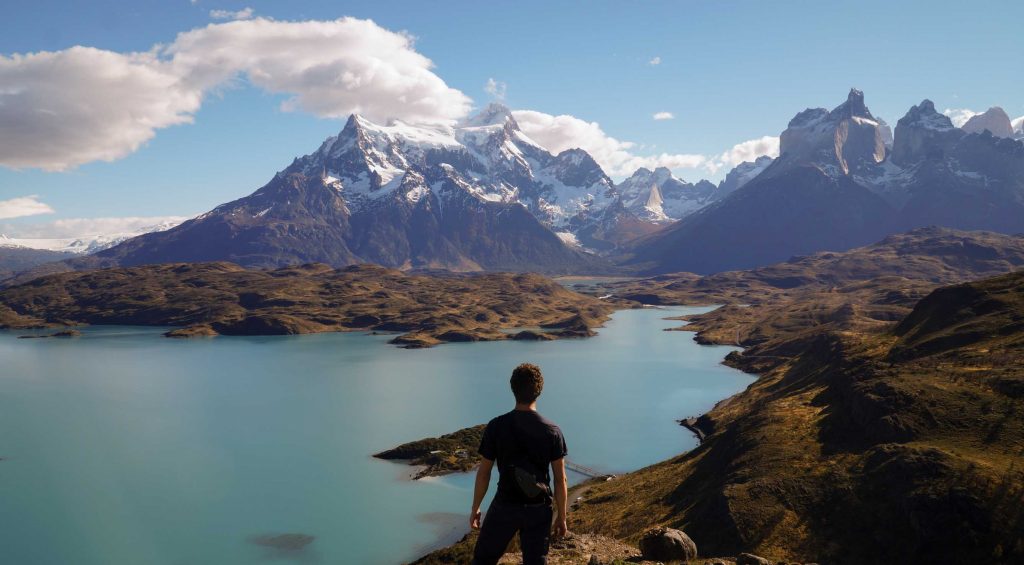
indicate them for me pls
(450, 453)
(206, 299)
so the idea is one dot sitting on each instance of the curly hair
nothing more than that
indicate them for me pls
(527, 383)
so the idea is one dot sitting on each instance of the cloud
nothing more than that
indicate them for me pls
(495, 89)
(558, 133)
(664, 116)
(23, 206)
(959, 116)
(749, 151)
(1018, 124)
(84, 227)
(655, 61)
(243, 14)
(62, 109)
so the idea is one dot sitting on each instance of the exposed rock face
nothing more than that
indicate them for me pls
(835, 186)
(667, 544)
(848, 138)
(742, 174)
(994, 120)
(658, 196)
(751, 559)
(923, 134)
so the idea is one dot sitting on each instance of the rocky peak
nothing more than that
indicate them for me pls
(853, 107)
(923, 134)
(994, 120)
(840, 142)
(742, 174)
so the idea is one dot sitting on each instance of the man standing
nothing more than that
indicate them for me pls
(524, 444)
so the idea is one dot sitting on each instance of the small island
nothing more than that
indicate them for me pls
(450, 453)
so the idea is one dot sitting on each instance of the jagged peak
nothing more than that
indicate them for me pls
(925, 115)
(494, 113)
(853, 107)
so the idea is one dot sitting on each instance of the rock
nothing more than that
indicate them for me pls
(286, 542)
(750, 559)
(667, 544)
(994, 120)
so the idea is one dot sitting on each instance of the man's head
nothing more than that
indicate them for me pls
(527, 383)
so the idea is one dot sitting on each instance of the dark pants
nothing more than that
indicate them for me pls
(502, 521)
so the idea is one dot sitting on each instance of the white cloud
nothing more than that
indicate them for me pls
(495, 88)
(664, 116)
(748, 151)
(23, 206)
(331, 68)
(959, 116)
(558, 133)
(1018, 124)
(654, 61)
(85, 227)
(243, 14)
(61, 109)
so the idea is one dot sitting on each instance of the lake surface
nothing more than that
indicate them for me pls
(124, 447)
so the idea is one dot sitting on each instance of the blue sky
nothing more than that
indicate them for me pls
(729, 72)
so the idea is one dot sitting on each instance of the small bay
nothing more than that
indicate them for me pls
(124, 447)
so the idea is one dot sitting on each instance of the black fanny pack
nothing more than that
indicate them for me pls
(528, 483)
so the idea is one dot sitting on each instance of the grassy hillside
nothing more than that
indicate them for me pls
(223, 298)
(896, 446)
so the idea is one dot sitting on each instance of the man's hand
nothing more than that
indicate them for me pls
(561, 529)
(474, 520)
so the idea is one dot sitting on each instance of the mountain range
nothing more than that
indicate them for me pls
(843, 180)
(482, 195)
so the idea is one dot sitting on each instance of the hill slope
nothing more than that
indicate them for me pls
(900, 446)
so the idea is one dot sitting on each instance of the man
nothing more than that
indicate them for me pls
(524, 444)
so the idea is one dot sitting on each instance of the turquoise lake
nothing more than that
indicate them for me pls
(124, 447)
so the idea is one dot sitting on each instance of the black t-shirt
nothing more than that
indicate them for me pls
(511, 437)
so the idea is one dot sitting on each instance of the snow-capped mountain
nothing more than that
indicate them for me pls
(82, 245)
(479, 195)
(742, 174)
(837, 184)
(658, 196)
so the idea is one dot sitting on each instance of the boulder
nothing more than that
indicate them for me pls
(749, 559)
(667, 544)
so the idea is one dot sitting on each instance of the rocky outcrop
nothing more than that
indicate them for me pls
(667, 544)
(742, 174)
(994, 120)
(848, 138)
(835, 186)
(751, 559)
(923, 134)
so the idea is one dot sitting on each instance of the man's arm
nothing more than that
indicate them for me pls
(483, 480)
(561, 496)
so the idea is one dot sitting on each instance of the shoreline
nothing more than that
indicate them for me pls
(692, 424)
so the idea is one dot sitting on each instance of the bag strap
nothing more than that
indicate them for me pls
(521, 448)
